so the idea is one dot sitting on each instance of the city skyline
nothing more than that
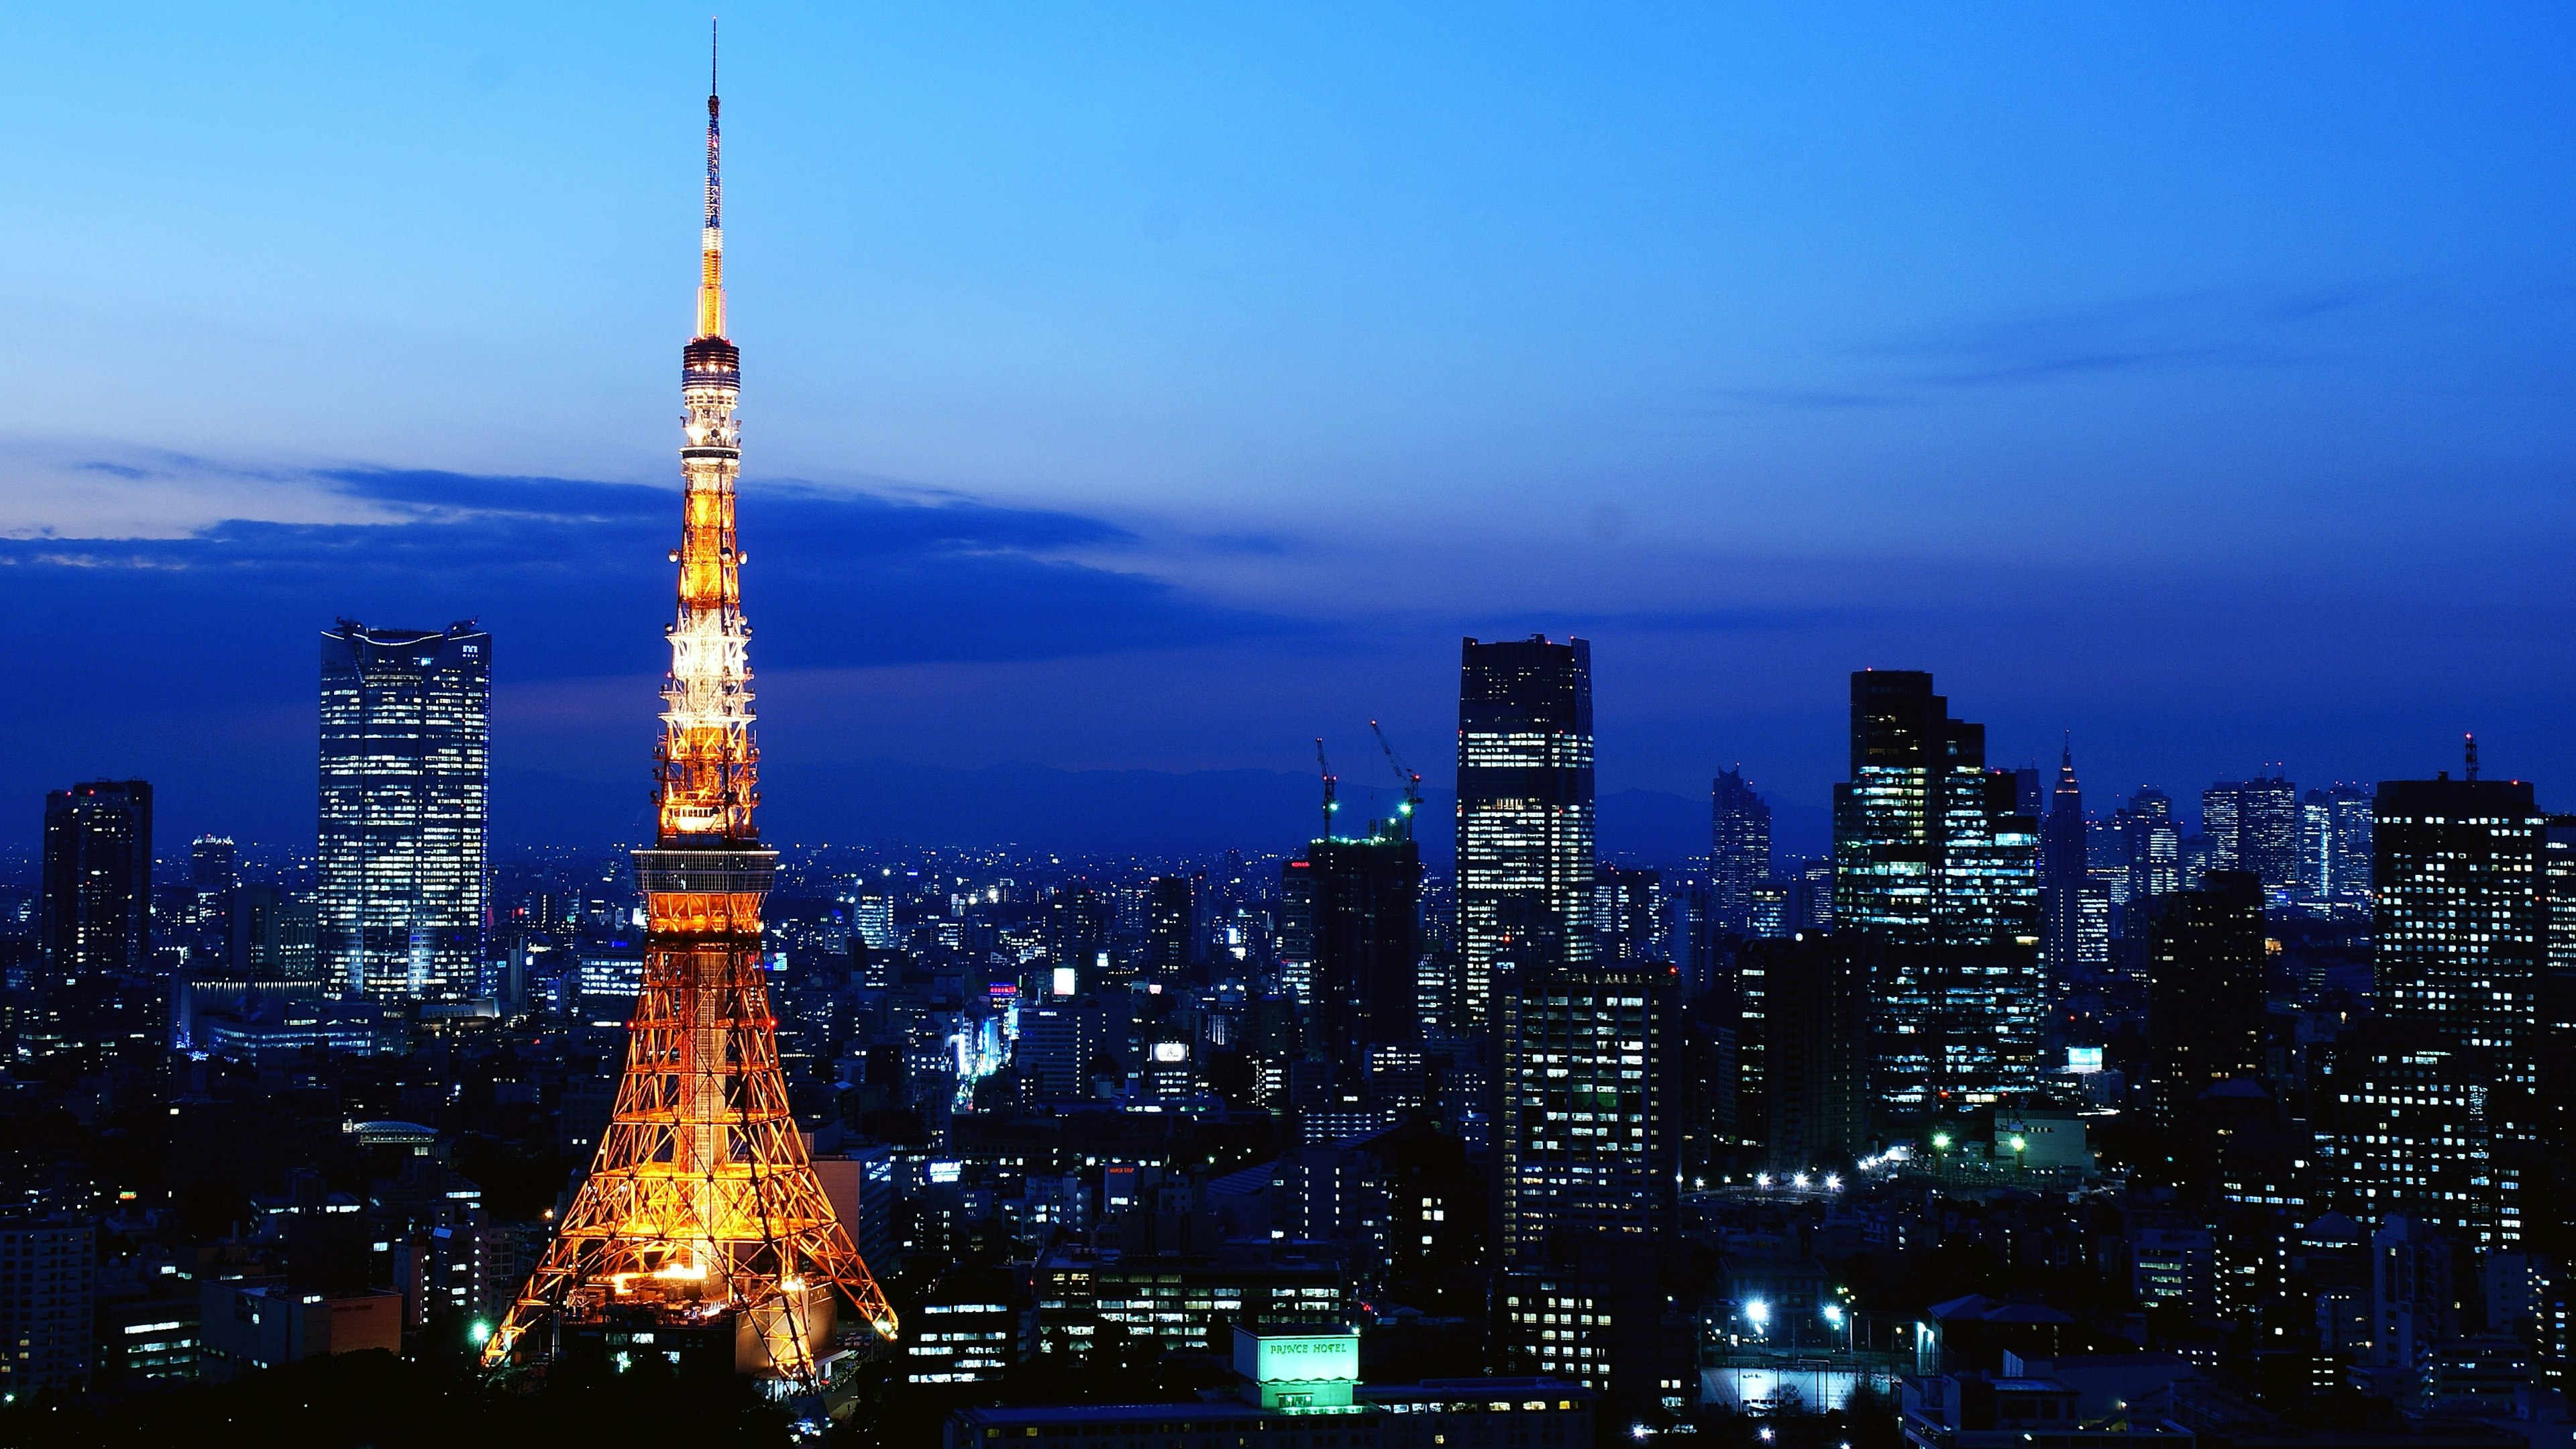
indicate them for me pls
(2150, 389)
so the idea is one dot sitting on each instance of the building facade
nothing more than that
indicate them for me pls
(1525, 822)
(96, 914)
(406, 727)
(1934, 860)
(1584, 1127)
(1739, 849)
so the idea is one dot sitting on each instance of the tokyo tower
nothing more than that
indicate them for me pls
(702, 1215)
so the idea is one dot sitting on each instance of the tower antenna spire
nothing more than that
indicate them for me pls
(711, 241)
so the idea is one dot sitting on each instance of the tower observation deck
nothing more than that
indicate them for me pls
(702, 1214)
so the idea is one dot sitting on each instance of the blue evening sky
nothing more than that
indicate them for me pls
(1160, 387)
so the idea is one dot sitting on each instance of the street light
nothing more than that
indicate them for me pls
(1758, 1313)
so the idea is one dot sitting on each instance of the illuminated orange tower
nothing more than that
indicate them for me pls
(702, 1209)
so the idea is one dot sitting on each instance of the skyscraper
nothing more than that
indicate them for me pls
(214, 874)
(1933, 860)
(2456, 946)
(96, 915)
(2334, 844)
(1585, 1139)
(2063, 875)
(2150, 843)
(1171, 926)
(1525, 855)
(1739, 849)
(2253, 825)
(1628, 914)
(2204, 990)
(406, 770)
(1816, 1060)
(1366, 921)
(702, 1218)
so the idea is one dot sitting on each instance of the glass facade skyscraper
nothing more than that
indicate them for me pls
(1525, 851)
(406, 725)
(1934, 859)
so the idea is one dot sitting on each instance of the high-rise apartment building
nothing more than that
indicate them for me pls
(1585, 1140)
(2148, 844)
(1525, 825)
(2204, 990)
(406, 725)
(1739, 849)
(96, 913)
(1934, 861)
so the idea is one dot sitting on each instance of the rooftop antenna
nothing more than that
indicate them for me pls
(2472, 739)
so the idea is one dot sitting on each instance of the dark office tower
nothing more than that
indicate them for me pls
(1524, 815)
(1586, 1143)
(212, 871)
(96, 915)
(1293, 932)
(2456, 942)
(1817, 1061)
(2063, 876)
(1171, 926)
(1368, 941)
(1934, 861)
(1739, 849)
(406, 725)
(1628, 914)
(2204, 990)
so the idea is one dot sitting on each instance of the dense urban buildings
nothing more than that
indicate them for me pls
(2229, 1116)
(406, 786)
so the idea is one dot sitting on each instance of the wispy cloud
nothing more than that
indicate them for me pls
(571, 573)
(2184, 332)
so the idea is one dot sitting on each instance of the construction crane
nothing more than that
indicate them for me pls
(1330, 804)
(1409, 779)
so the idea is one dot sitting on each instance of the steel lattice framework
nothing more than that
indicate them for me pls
(702, 1205)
